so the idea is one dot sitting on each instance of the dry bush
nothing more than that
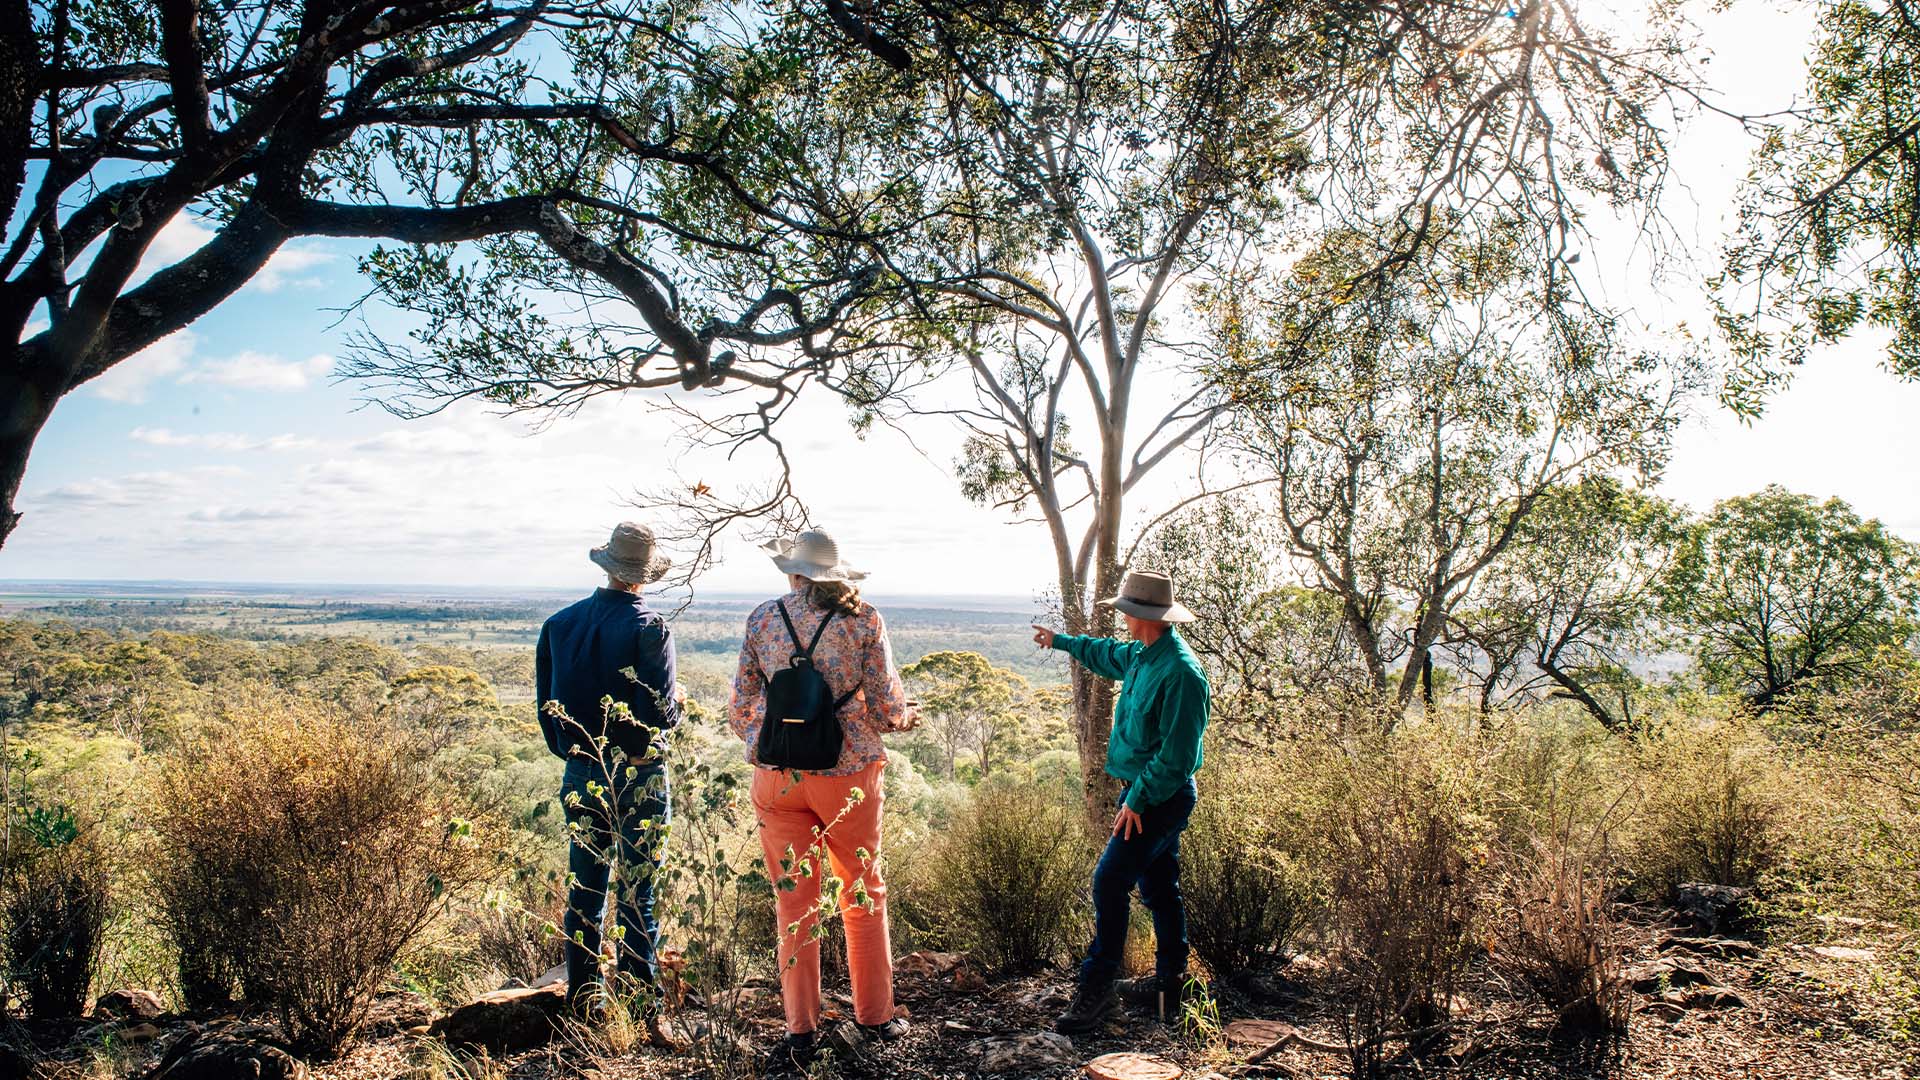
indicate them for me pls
(1554, 935)
(1713, 807)
(1407, 845)
(302, 850)
(56, 906)
(1245, 870)
(1008, 880)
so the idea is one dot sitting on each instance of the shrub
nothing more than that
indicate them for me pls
(1407, 844)
(56, 910)
(1554, 936)
(302, 851)
(1712, 808)
(1248, 891)
(1008, 880)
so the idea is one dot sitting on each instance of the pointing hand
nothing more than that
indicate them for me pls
(1042, 636)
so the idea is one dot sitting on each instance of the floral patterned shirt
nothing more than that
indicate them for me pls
(853, 653)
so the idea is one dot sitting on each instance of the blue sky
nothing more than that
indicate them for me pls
(227, 453)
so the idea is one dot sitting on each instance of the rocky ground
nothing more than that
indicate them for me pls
(1704, 1005)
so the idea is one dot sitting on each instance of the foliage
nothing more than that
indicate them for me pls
(1409, 429)
(1564, 609)
(971, 704)
(301, 851)
(1008, 878)
(55, 903)
(1779, 594)
(1713, 807)
(1824, 242)
(1246, 869)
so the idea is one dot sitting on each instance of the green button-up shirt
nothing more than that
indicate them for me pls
(1161, 714)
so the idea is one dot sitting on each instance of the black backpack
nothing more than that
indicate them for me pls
(801, 728)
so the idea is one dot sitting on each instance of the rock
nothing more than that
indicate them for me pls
(929, 965)
(1129, 1066)
(1721, 948)
(1044, 998)
(1256, 1034)
(504, 1020)
(1665, 1010)
(225, 1052)
(1027, 1053)
(966, 980)
(1715, 910)
(138, 1033)
(398, 1011)
(129, 1005)
(1667, 973)
(1704, 997)
(553, 976)
(1845, 953)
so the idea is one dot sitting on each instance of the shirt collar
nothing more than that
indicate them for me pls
(620, 596)
(1161, 645)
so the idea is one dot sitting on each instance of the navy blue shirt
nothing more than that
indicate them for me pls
(609, 645)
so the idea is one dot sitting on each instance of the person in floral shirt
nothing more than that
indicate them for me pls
(842, 804)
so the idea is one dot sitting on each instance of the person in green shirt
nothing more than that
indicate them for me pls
(1154, 751)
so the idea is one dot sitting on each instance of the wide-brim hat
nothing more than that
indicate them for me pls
(813, 555)
(630, 556)
(1148, 594)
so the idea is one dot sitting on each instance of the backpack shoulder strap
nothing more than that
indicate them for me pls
(807, 649)
(818, 632)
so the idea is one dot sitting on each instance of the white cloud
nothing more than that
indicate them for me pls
(230, 515)
(141, 490)
(290, 266)
(261, 371)
(218, 440)
(128, 381)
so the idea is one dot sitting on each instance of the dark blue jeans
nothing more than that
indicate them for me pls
(1150, 859)
(622, 836)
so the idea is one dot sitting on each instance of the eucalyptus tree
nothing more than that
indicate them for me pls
(1574, 602)
(1410, 431)
(1052, 199)
(430, 124)
(1828, 234)
(1780, 593)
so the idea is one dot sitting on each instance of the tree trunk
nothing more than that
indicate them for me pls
(26, 403)
(19, 67)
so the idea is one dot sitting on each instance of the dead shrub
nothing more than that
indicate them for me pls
(302, 850)
(55, 894)
(1554, 935)
(1407, 846)
(1008, 880)
(1248, 890)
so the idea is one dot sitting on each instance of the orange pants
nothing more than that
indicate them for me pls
(790, 814)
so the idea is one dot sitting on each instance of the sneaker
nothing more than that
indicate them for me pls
(1152, 989)
(791, 1056)
(1089, 1010)
(886, 1032)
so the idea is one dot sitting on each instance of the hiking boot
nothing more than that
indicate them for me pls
(886, 1032)
(1154, 989)
(791, 1056)
(1088, 1011)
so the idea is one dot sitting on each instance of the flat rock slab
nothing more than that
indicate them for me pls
(1256, 1034)
(1845, 953)
(1670, 972)
(1038, 1052)
(504, 1020)
(1721, 948)
(932, 965)
(1131, 1066)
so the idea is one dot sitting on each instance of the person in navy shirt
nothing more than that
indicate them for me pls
(604, 682)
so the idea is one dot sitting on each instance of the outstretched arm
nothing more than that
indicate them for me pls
(1103, 656)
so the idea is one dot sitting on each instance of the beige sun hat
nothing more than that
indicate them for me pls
(630, 556)
(813, 555)
(1148, 594)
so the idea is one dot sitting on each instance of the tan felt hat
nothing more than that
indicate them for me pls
(629, 555)
(1148, 594)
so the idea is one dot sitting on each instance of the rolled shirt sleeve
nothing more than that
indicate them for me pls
(749, 693)
(1184, 709)
(1103, 656)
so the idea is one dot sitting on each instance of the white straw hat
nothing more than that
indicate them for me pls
(813, 555)
(1148, 594)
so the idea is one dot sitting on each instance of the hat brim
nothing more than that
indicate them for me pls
(631, 573)
(817, 572)
(1175, 612)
